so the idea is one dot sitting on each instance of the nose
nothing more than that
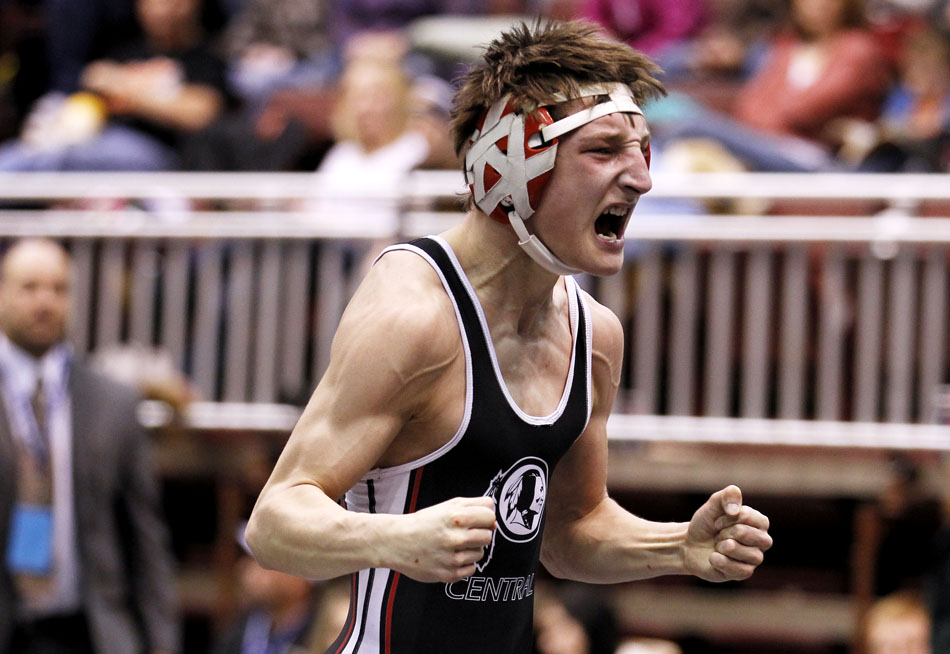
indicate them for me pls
(635, 176)
(47, 298)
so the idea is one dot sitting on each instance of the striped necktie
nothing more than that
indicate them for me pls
(35, 488)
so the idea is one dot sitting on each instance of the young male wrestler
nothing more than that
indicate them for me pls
(464, 411)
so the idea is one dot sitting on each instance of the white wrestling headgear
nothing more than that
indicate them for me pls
(511, 155)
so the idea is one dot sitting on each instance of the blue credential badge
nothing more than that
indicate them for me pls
(30, 548)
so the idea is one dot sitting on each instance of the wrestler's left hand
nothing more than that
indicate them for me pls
(726, 540)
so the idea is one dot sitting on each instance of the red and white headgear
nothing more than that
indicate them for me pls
(511, 155)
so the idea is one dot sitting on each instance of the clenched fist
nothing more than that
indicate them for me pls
(726, 540)
(443, 542)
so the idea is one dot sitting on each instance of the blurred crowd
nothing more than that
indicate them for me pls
(361, 91)
(271, 85)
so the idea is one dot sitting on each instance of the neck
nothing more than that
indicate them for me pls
(372, 143)
(34, 350)
(509, 283)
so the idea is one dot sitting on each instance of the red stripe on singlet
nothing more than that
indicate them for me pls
(392, 590)
(349, 630)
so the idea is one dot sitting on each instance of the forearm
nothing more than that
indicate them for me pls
(191, 108)
(609, 545)
(304, 533)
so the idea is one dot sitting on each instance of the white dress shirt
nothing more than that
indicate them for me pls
(20, 373)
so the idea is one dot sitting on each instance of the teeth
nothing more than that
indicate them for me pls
(608, 227)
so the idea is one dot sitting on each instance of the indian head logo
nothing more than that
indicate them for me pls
(519, 495)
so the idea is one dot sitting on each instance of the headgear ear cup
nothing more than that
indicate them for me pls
(496, 175)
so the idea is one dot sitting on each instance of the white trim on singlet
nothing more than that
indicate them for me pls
(365, 633)
(571, 288)
(589, 322)
(379, 473)
(386, 493)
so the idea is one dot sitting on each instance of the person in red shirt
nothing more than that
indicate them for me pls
(828, 65)
(825, 66)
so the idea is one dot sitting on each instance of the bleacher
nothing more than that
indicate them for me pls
(798, 352)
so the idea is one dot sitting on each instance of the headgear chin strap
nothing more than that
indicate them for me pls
(511, 155)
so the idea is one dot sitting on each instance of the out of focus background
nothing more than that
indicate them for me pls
(222, 172)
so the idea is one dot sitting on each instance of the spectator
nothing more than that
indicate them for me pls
(352, 18)
(272, 44)
(81, 31)
(651, 26)
(87, 566)
(894, 20)
(730, 46)
(149, 369)
(898, 623)
(573, 619)
(913, 132)
(830, 67)
(377, 142)
(826, 66)
(282, 614)
(430, 100)
(371, 121)
(374, 145)
(137, 107)
(283, 62)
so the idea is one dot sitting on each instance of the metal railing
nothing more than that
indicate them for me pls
(241, 279)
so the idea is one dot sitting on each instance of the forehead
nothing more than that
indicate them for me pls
(36, 261)
(363, 77)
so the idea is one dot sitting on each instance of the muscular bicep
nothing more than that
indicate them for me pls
(393, 344)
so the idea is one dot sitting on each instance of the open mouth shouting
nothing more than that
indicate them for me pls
(611, 224)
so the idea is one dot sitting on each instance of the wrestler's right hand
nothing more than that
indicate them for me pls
(444, 541)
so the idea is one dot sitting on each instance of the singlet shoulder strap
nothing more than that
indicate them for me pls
(458, 289)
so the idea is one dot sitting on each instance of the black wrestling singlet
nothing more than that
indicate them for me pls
(498, 451)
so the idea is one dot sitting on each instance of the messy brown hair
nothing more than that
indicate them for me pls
(533, 64)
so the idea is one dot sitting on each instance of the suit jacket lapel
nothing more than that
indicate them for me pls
(8, 492)
(8, 464)
(83, 411)
(7, 446)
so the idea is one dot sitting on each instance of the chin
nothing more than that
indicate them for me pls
(42, 342)
(603, 267)
(605, 273)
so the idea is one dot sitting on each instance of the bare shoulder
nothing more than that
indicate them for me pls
(401, 313)
(607, 329)
(396, 341)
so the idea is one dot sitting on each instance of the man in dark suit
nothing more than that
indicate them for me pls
(86, 565)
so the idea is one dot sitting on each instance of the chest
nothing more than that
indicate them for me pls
(534, 371)
(506, 379)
